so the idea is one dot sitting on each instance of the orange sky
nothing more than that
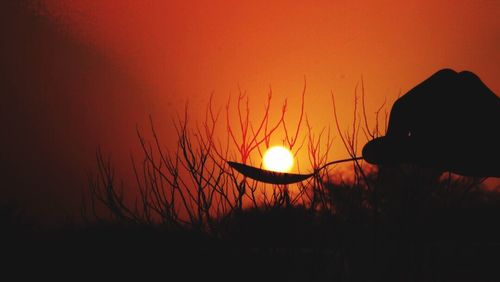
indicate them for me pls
(184, 50)
(194, 47)
(152, 56)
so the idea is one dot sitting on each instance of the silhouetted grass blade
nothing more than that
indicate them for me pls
(268, 176)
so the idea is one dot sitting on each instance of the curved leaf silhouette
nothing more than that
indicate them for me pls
(268, 176)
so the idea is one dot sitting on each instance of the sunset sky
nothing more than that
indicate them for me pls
(78, 74)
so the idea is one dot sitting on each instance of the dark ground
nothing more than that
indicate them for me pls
(285, 244)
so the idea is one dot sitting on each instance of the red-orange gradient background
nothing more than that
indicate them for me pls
(84, 73)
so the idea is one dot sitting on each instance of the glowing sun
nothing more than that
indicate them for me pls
(278, 158)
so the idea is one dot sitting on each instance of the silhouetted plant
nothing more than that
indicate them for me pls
(193, 185)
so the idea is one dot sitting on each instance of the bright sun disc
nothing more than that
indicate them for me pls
(278, 158)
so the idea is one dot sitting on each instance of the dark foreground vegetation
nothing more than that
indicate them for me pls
(438, 241)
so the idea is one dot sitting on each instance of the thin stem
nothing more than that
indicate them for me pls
(338, 161)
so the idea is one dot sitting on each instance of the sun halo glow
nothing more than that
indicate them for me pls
(278, 158)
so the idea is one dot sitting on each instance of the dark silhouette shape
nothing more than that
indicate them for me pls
(267, 175)
(274, 177)
(449, 122)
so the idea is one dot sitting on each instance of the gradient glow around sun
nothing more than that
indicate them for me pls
(278, 158)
